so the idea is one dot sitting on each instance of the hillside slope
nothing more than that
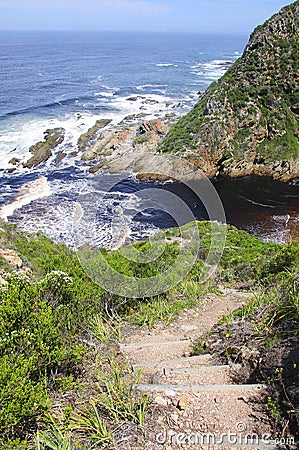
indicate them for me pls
(248, 121)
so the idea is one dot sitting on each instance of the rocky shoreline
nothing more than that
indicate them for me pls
(131, 145)
(135, 145)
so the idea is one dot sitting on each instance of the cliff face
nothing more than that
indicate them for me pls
(247, 122)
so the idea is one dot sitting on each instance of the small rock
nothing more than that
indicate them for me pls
(174, 417)
(169, 393)
(159, 400)
(118, 210)
(188, 328)
(14, 161)
(183, 403)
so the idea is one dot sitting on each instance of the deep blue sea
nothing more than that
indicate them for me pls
(71, 79)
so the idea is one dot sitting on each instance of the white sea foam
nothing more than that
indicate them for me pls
(142, 87)
(152, 104)
(258, 203)
(100, 218)
(212, 70)
(30, 191)
(97, 79)
(104, 94)
(166, 65)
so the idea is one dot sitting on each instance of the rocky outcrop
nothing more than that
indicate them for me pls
(90, 135)
(248, 122)
(43, 150)
(11, 257)
(120, 148)
(12, 264)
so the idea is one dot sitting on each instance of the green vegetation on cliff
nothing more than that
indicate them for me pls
(252, 113)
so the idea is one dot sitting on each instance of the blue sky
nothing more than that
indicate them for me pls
(223, 16)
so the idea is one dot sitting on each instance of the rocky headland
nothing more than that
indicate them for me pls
(247, 122)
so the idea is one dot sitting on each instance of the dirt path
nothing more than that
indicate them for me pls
(196, 401)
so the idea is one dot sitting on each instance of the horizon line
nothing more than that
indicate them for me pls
(220, 33)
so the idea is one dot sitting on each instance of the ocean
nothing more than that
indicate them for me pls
(71, 79)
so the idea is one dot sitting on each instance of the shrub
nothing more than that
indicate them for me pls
(33, 348)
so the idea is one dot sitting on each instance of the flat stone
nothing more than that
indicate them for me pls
(159, 400)
(169, 393)
(188, 328)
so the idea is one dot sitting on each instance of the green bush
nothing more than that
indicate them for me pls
(23, 400)
(33, 347)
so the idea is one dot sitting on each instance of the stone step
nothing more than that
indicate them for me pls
(152, 343)
(146, 352)
(171, 389)
(175, 363)
(198, 375)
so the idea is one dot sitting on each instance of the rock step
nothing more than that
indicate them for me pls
(176, 363)
(169, 371)
(198, 375)
(171, 389)
(139, 345)
(156, 351)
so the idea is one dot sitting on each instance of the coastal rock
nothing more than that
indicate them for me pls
(122, 147)
(90, 135)
(119, 139)
(60, 157)
(14, 161)
(247, 122)
(43, 150)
